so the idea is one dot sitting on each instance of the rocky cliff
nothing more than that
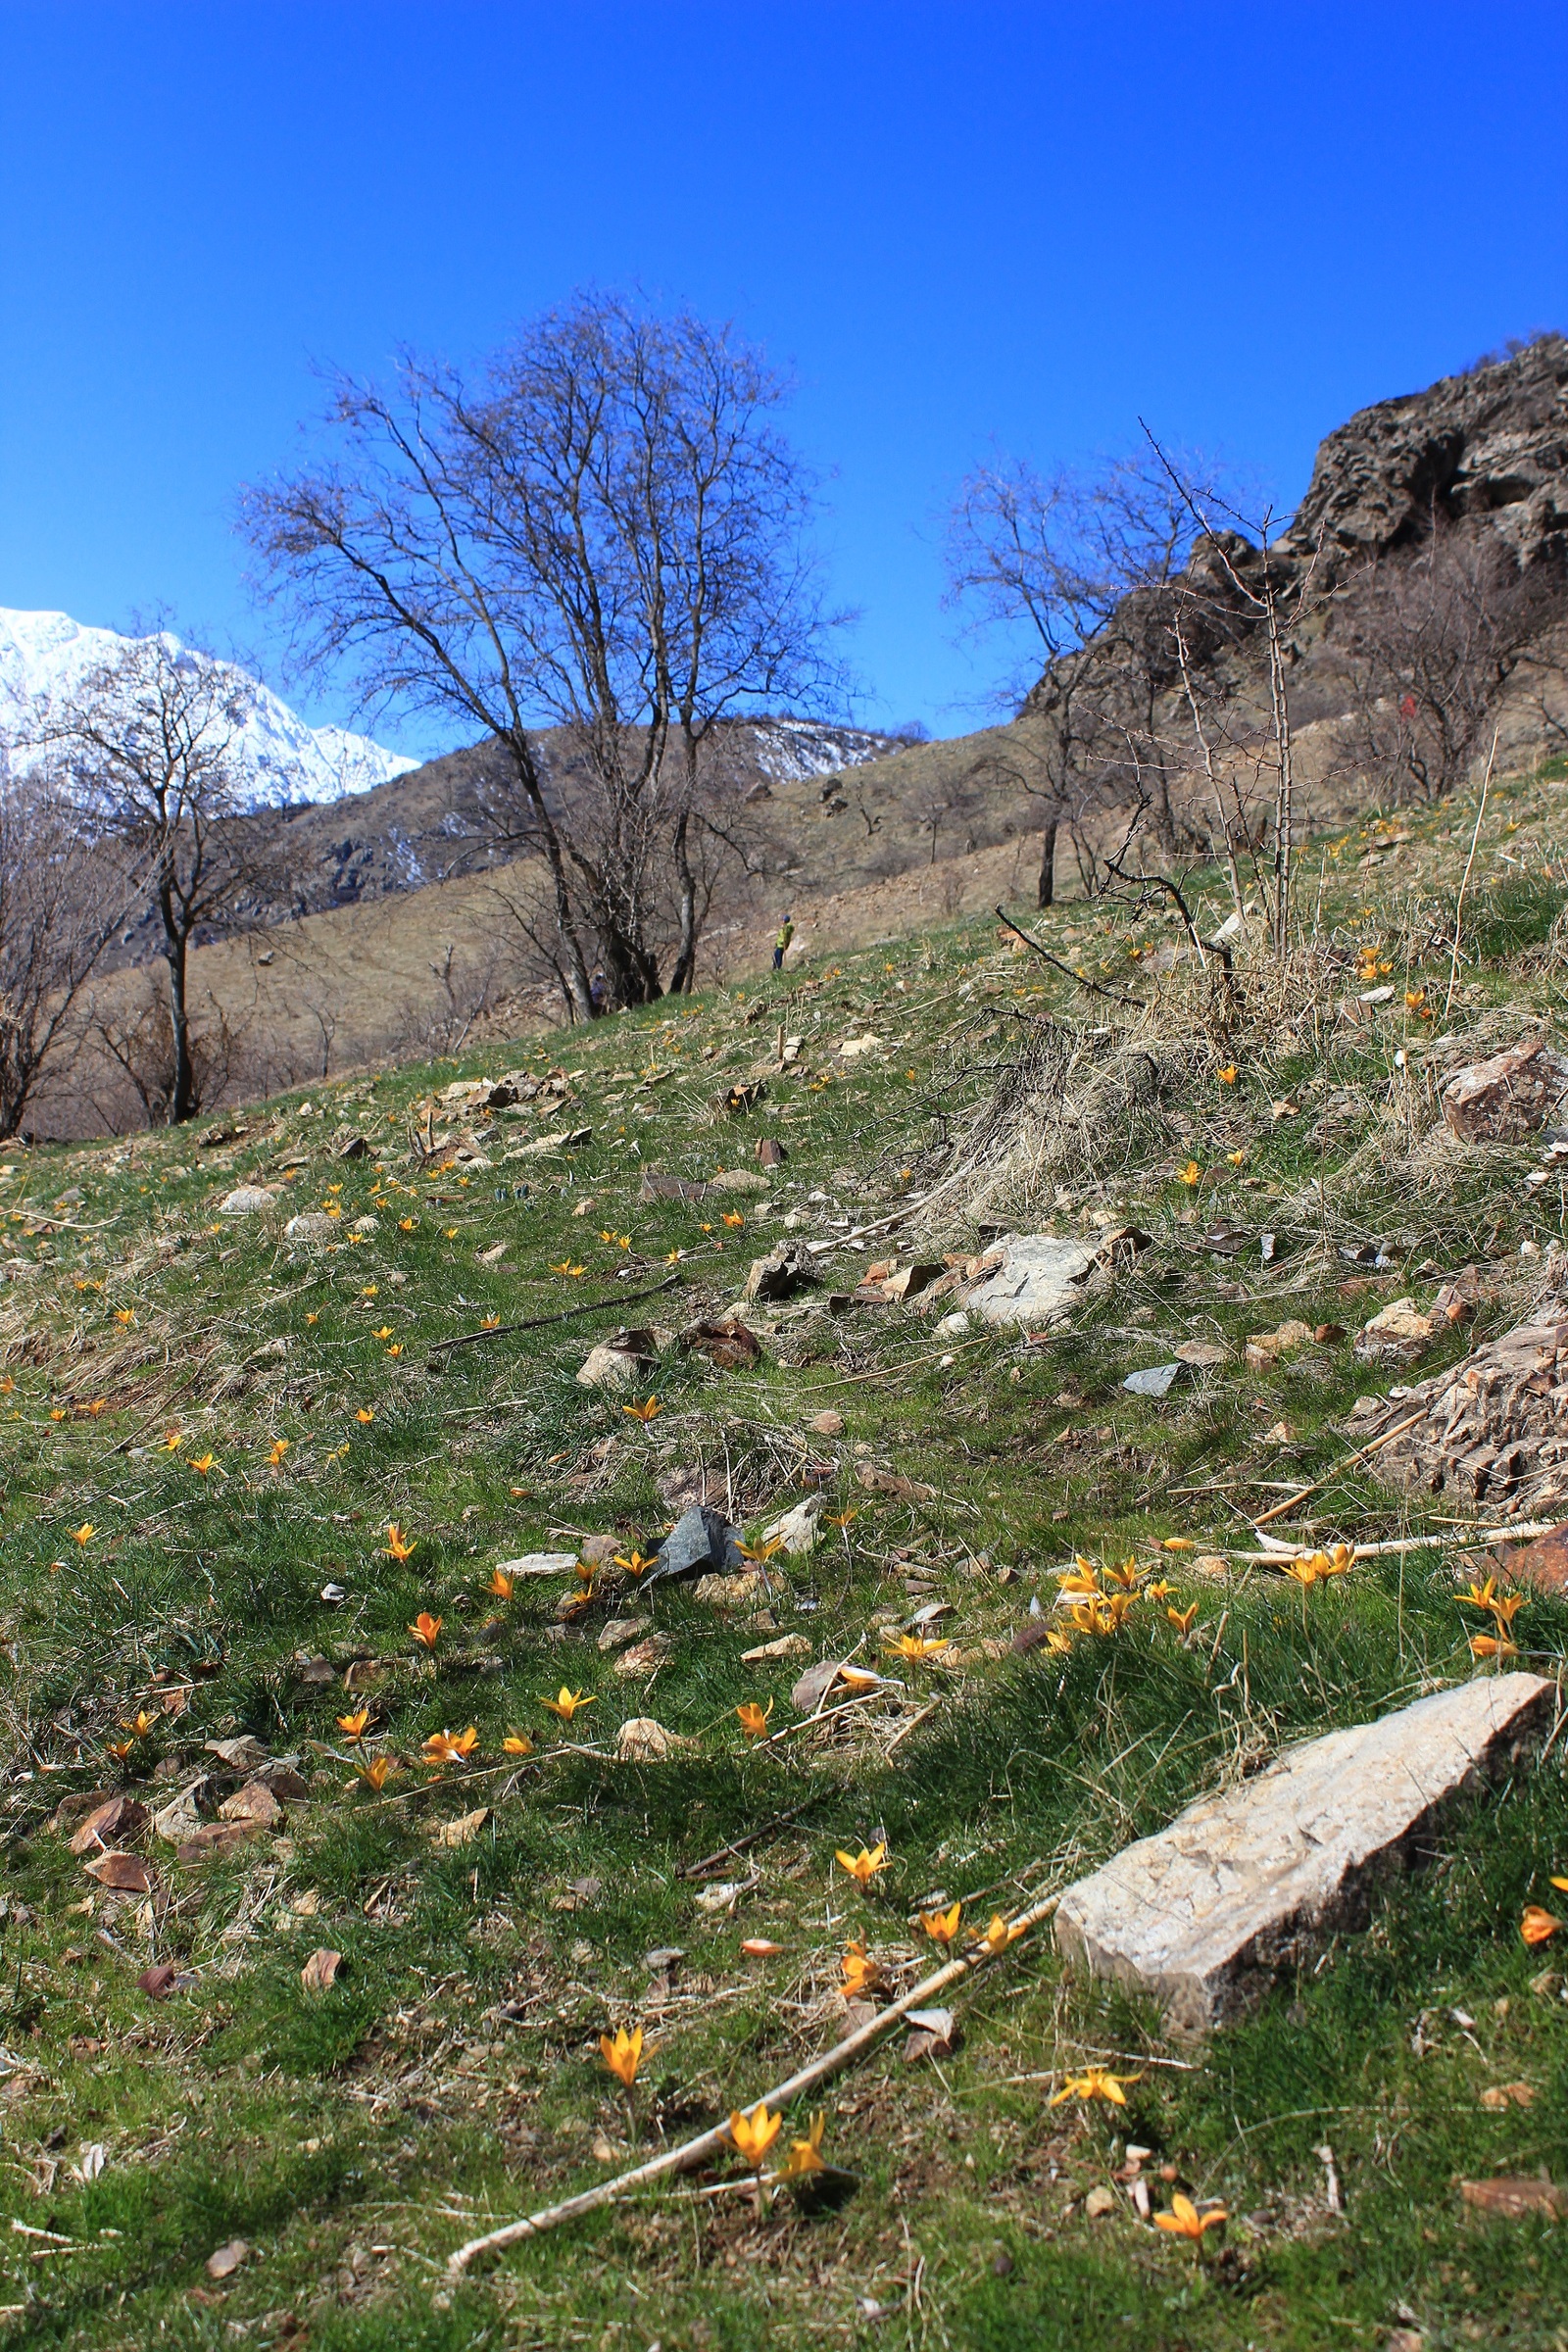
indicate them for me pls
(1488, 449)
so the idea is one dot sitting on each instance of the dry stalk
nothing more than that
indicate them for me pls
(716, 2140)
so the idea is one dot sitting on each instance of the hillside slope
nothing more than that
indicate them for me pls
(407, 1828)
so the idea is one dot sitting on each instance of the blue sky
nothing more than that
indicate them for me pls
(963, 226)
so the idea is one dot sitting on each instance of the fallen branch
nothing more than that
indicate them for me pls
(590, 1307)
(1329, 1476)
(1068, 971)
(716, 2140)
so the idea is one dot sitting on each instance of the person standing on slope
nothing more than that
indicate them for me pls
(786, 932)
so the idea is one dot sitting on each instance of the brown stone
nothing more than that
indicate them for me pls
(1506, 1097)
(1515, 2197)
(1542, 1563)
(113, 1823)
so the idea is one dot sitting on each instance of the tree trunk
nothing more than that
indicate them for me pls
(680, 979)
(1046, 894)
(183, 1088)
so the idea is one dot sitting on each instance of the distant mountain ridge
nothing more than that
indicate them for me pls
(48, 654)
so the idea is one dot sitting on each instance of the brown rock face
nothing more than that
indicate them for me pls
(1490, 447)
(1506, 1097)
(1492, 1431)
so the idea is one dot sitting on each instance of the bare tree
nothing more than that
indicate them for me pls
(1074, 574)
(603, 532)
(152, 744)
(61, 898)
(1428, 645)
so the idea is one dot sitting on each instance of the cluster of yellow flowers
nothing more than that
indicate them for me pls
(1099, 1600)
(1502, 1608)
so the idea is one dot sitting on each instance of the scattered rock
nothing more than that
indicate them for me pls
(786, 1269)
(1099, 2201)
(254, 1804)
(562, 1563)
(1265, 1347)
(225, 2261)
(1542, 1564)
(1157, 1380)
(610, 1366)
(828, 1425)
(315, 1673)
(310, 1225)
(739, 1180)
(643, 1657)
(1247, 1882)
(1202, 1354)
(73, 1808)
(245, 1200)
(1395, 1335)
(115, 1821)
(620, 1631)
(953, 1326)
(645, 1740)
(729, 1345)
(788, 1646)
(700, 1540)
(179, 1820)
(124, 1872)
(1506, 1097)
(1515, 2197)
(243, 1754)
(1031, 1278)
(798, 1529)
(746, 1590)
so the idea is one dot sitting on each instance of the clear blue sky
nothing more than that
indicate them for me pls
(962, 224)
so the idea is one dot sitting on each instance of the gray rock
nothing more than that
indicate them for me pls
(310, 1225)
(797, 1529)
(780, 1273)
(1246, 1883)
(1035, 1278)
(245, 1200)
(700, 1541)
(1157, 1380)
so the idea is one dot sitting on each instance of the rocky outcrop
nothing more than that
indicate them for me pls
(1488, 447)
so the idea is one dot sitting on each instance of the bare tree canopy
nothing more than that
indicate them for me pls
(151, 744)
(1429, 645)
(602, 530)
(62, 896)
(1074, 572)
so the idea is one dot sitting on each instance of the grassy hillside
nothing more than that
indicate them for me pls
(211, 1431)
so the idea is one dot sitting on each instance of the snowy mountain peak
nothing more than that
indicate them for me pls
(44, 656)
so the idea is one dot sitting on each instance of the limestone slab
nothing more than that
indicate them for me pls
(1033, 1278)
(1246, 1883)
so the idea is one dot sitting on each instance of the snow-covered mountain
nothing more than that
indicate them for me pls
(47, 655)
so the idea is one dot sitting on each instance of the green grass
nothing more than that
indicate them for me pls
(450, 2076)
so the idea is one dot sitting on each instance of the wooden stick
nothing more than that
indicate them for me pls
(1464, 882)
(1067, 970)
(1329, 1476)
(716, 2140)
(590, 1307)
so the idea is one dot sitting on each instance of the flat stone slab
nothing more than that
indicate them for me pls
(1244, 1885)
(1034, 1278)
